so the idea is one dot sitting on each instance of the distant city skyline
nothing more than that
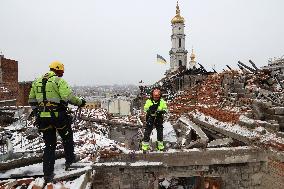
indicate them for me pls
(116, 42)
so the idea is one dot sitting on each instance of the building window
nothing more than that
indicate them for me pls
(179, 63)
(179, 42)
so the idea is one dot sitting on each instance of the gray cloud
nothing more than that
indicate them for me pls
(107, 42)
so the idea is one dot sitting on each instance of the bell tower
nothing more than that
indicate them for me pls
(178, 53)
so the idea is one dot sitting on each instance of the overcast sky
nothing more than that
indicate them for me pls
(116, 41)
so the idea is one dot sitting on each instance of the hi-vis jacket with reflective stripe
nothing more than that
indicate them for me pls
(162, 106)
(56, 89)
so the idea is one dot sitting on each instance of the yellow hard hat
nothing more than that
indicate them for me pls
(56, 65)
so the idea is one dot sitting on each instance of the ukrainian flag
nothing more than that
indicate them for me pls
(161, 60)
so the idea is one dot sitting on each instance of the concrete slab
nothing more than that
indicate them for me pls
(235, 136)
(203, 137)
(188, 157)
(220, 142)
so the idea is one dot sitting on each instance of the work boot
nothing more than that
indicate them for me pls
(145, 146)
(69, 163)
(48, 178)
(160, 146)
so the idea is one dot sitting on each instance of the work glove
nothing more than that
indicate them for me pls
(33, 114)
(161, 112)
(83, 102)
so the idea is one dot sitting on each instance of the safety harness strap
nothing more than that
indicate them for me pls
(43, 89)
(45, 108)
(154, 107)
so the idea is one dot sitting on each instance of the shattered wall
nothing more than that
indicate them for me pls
(9, 70)
(23, 93)
(124, 179)
(240, 167)
(233, 176)
(8, 78)
(274, 174)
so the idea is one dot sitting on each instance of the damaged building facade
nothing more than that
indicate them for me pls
(12, 92)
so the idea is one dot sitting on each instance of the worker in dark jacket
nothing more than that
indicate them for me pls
(49, 97)
(155, 108)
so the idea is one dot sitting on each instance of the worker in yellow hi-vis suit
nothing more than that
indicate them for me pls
(155, 108)
(49, 97)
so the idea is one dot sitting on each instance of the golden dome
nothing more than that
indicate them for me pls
(178, 18)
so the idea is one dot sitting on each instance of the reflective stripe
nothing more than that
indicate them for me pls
(47, 114)
(32, 100)
(56, 100)
(34, 107)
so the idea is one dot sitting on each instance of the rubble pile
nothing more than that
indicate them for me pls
(227, 95)
(220, 114)
(210, 91)
(207, 97)
(95, 113)
(6, 117)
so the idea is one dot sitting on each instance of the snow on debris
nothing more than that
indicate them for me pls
(235, 128)
(246, 119)
(135, 164)
(168, 132)
(89, 138)
(34, 169)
